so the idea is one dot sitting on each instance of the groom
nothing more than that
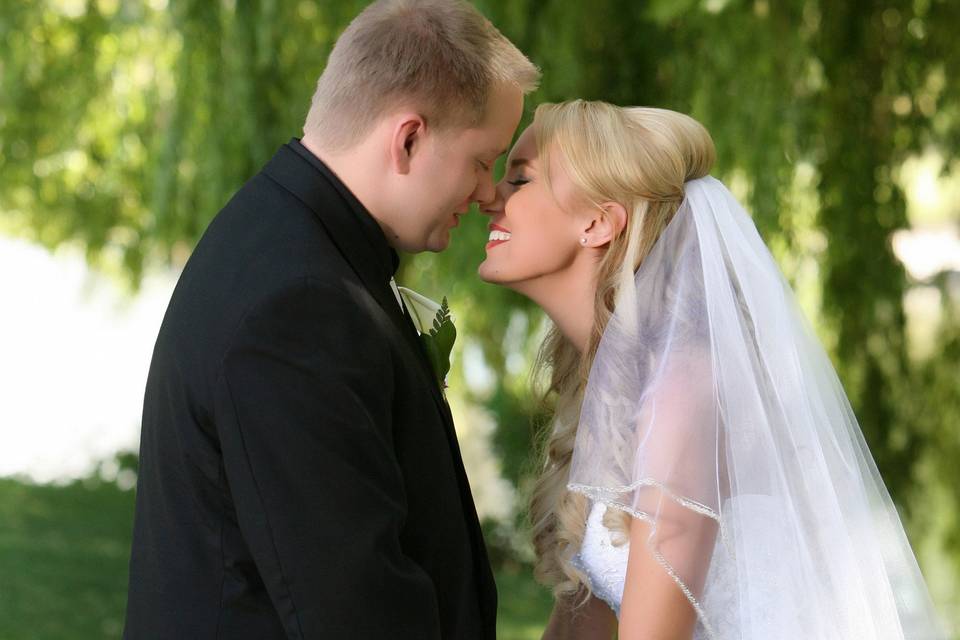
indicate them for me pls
(299, 472)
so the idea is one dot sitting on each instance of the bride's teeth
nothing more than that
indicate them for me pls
(499, 235)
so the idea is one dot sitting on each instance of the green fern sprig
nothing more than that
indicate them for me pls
(438, 343)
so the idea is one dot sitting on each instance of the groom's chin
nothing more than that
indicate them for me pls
(437, 242)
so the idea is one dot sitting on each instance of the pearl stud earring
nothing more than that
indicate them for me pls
(583, 241)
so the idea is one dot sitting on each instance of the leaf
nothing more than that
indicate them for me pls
(433, 355)
(439, 343)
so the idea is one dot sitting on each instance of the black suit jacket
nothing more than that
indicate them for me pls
(299, 472)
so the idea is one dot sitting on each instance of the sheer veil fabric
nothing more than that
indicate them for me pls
(713, 413)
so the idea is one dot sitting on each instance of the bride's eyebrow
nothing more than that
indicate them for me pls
(518, 162)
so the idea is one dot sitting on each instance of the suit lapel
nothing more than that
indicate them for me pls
(485, 582)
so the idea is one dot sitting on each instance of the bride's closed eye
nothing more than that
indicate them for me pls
(518, 181)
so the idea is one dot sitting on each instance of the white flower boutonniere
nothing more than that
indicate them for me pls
(437, 332)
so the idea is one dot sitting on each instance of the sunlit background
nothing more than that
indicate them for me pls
(125, 126)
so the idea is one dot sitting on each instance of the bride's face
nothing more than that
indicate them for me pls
(534, 231)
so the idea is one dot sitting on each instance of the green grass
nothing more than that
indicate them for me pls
(63, 566)
(63, 560)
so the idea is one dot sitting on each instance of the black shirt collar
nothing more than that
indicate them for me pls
(389, 258)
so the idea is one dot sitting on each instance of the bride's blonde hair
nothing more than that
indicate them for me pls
(639, 157)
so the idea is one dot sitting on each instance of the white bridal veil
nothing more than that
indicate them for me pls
(713, 413)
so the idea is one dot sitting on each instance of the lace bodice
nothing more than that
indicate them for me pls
(605, 565)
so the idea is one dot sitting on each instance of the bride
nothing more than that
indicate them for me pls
(705, 476)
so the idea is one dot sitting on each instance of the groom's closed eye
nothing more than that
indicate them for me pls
(491, 157)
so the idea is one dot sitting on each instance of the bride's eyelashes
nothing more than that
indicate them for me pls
(518, 182)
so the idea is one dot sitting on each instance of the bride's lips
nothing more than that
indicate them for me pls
(497, 234)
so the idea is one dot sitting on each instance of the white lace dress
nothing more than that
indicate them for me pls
(605, 565)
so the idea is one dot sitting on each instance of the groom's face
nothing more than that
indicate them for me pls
(455, 169)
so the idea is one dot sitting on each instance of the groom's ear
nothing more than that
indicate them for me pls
(405, 140)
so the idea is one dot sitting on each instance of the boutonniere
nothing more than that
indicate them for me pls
(435, 326)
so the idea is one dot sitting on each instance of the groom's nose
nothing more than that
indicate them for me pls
(485, 193)
(493, 206)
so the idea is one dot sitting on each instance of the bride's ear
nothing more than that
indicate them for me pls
(608, 222)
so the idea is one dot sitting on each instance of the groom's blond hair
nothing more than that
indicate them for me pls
(439, 57)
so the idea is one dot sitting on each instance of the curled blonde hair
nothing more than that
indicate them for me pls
(639, 157)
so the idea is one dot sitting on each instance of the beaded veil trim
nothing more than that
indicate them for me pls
(606, 497)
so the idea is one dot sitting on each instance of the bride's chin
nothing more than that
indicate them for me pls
(488, 273)
(484, 273)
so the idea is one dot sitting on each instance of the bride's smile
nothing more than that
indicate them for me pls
(498, 235)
